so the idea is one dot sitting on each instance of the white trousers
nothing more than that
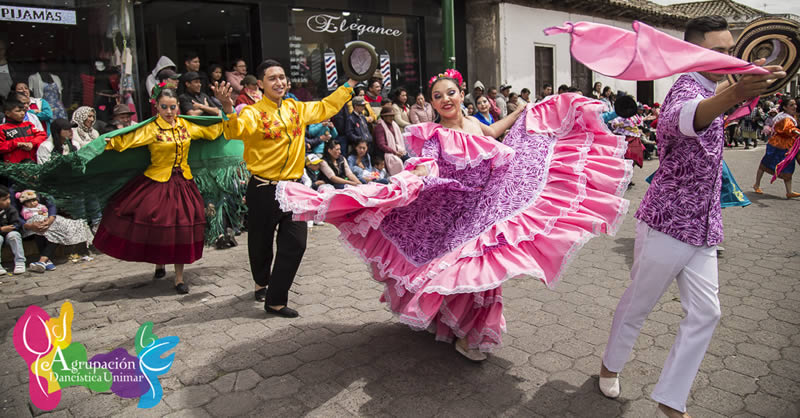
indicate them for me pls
(658, 259)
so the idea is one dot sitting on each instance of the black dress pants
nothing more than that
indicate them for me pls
(264, 216)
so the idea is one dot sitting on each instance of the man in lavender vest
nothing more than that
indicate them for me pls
(679, 223)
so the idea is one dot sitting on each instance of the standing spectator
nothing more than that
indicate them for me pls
(193, 101)
(59, 142)
(421, 111)
(483, 114)
(84, 132)
(563, 89)
(373, 96)
(513, 102)
(750, 127)
(318, 134)
(26, 104)
(215, 73)
(525, 96)
(502, 99)
(477, 90)
(236, 75)
(368, 113)
(38, 106)
(389, 141)
(597, 91)
(334, 168)
(401, 107)
(10, 226)
(357, 128)
(19, 139)
(191, 63)
(164, 63)
(250, 93)
(547, 90)
(605, 97)
(494, 110)
(6, 73)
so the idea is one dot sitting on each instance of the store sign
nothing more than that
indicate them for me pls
(334, 24)
(35, 15)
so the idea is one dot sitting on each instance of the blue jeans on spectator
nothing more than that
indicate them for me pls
(14, 240)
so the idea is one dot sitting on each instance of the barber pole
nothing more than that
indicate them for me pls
(331, 75)
(386, 71)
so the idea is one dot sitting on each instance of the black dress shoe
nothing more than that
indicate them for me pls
(285, 312)
(160, 273)
(261, 294)
(181, 288)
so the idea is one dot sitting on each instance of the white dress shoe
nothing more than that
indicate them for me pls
(609, 386)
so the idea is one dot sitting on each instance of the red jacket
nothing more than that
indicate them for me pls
(12, 134)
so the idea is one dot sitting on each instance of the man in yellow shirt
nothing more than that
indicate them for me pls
(273, 131)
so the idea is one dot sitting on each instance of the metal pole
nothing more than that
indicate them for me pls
(449, 34)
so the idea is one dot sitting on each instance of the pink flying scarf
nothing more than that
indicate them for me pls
(645, 53)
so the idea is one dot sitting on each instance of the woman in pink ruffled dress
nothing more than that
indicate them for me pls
(469, 212)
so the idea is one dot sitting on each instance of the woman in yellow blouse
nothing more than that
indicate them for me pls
(786, 132)
(158, 217)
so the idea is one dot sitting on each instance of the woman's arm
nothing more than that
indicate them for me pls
(497, 129)
(326, 169)
(349, 173)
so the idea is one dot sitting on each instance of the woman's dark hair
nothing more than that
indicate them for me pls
(14, 86)
(167, 93)
(266, 64)
(430, 89)
(56, 127)
(697, 28)
(15, 95)
(606, 89)
(357, 143)
(785, 102)
(236, 61)
(213, 67)
(326, 156)
(397, 93)
(358, 89)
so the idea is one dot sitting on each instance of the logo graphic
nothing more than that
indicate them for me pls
(55, 362)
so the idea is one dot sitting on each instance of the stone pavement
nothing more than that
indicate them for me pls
(346, 355)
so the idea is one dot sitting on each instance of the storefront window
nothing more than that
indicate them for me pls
(72, 53)
(315, 34)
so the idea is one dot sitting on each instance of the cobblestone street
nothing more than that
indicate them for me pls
(346, 355)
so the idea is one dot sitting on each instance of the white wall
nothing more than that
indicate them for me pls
(521, 29)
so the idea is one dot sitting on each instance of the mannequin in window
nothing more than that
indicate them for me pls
(47, 86)
(105, 95)
(6, 74)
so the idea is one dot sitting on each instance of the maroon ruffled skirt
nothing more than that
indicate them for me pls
(152, 222)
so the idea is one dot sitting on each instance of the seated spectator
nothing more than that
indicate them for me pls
(26, 104)
(318, 134)
(19, 139)
(250, 94)
(121, 118)
(59, 142)
(360, 163)
(10, 226)
(470, 109)
(84, 132)
(38, 106)
(389, 141)
(334, 169)
(357, 128)
(379, 164)
(193, 101)
(368, 112)
(214, 77)
(421, 111)
(483, 114)
(373, 95)
(513, 102)
(37, 230)
(525, 96)
(62, 231)
(311, 175)
(236, 75)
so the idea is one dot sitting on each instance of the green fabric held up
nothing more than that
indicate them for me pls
(83, 182)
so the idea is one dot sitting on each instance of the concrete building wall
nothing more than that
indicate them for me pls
(520, 30)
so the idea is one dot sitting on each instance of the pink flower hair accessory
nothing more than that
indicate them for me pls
(448, 73)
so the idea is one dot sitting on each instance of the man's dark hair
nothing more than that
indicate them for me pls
(4, 191)
(546, 85)
(190, 55)
(697, 28)
(11, 104)
(525, 90)
(373, 81)
(562, 88)
(262, 68)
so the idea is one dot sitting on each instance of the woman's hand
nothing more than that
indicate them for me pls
(420, 171)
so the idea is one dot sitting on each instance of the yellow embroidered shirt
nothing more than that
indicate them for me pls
(168, 145)
(275, 137)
